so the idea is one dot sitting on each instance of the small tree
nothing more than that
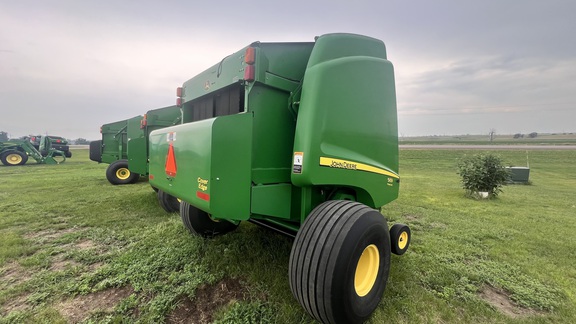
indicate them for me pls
(483, 173)
(3, 136)
(492, 134)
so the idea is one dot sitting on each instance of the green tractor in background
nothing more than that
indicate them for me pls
(300, 138)
(124, 146)
(17, 151)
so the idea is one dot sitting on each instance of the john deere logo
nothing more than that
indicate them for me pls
(207, 85)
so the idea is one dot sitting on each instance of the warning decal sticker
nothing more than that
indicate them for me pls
(171, 137)
(298, 159)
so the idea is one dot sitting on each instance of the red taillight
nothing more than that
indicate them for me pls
(179, 94)
(250, 69)
(58, 141)
(143, 122)
(249, 73)
(250, 56)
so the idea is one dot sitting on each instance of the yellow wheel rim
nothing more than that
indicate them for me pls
(367, 270)
(122, 173)
(403, 240)
(14, 158)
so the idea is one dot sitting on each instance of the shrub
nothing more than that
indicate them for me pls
(483, 173)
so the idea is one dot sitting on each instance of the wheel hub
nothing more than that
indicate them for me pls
(367, 270)
(403, 240)
(14, 158)
(123, 173)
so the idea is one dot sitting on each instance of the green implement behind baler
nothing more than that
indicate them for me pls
(16, 152)
(301, 138)
(124, 144)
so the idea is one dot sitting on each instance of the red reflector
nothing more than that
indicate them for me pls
(203, 195)
(179, 102)
(180, 92)
(143, 122)
(249, 73)
(58, 141)
(250, 56)
(170, 166)
(151, 177)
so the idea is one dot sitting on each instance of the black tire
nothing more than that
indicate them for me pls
(96, 151)
(199, 222)
(340, 261)
(13, 157)
(118, 173)
(168, 202)
(400, 237)
(68, 154)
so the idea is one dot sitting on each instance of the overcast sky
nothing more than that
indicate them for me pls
(462, 67)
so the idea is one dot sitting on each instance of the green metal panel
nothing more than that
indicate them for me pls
(115, 140)
(163, 117)
(278, 64)
(138, 135)
(231, 167)
(346, 133)
(137, 147)
(228, 71)
(192, 145)
(213, 164)
(284, 60)
(272, 200)
(274, 127)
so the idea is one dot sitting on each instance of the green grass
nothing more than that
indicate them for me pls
(67, 235)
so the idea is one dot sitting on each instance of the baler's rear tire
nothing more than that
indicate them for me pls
(118, 173)
(199, 222)
(340, 261)
(68, 154)
(400, 237)
(13, 157)
(168, 202)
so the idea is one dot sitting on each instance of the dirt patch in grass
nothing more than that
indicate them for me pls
(207, 301)
(49, 234)
(500, 300)
(15, 304)
(95, 266)
(61, 264)
(80, 308)
(411, 218)
(13, 274)
(85, 245)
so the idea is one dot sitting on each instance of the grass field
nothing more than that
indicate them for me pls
(504, 139)
(74, 248)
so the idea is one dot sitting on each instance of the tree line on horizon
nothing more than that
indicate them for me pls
(4, 136)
